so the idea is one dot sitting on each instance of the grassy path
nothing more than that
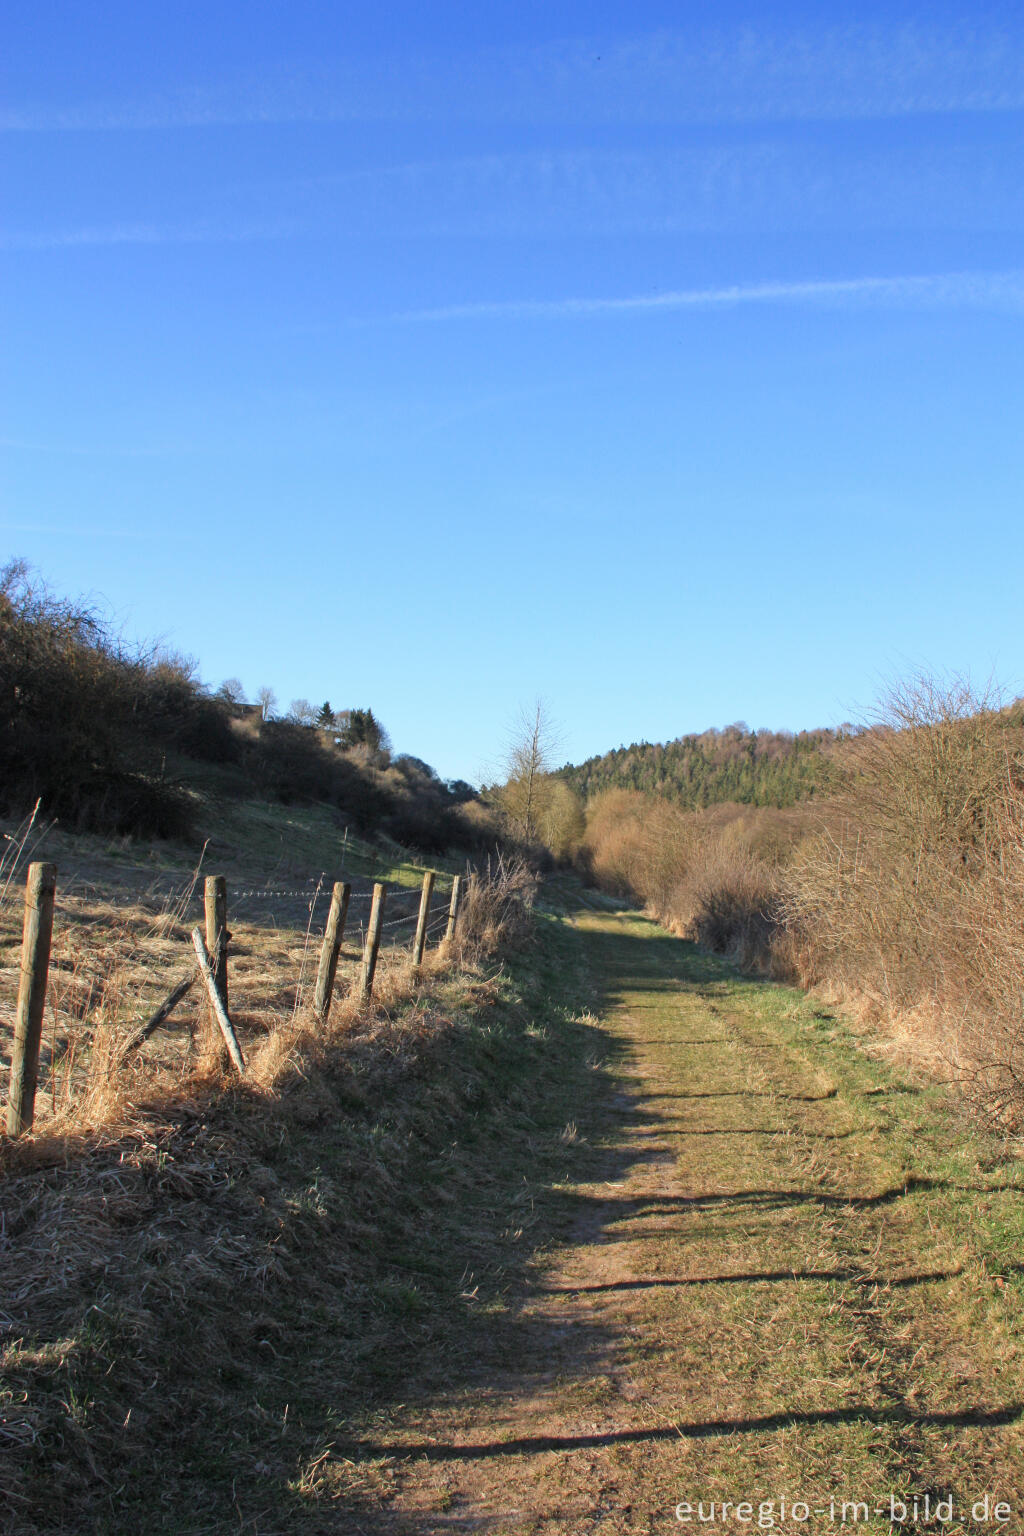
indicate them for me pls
(786, 1274)
(552, 1248)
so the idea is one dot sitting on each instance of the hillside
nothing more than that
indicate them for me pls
(766, 768)
(113, 739)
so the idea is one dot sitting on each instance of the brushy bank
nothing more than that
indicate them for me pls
(901, 895)
(201, 1300)
(114, 738)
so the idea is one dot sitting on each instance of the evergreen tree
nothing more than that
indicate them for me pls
(772, 768)
(363, 729)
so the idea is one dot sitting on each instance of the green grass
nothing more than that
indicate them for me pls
(793, 1150)
(280, 839)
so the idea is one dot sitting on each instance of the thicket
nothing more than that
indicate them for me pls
(86, 725)
(713, 875)
(902, 892)
(734, 765)
(114, 739)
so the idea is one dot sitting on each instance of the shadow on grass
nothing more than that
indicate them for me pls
(750, 1277)
(702, 1430)
(623, 1208)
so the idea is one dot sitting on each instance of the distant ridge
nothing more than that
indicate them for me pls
(776, 768)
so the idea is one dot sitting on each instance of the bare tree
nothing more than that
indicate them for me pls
(232, 690)
(302, 712)
(266, 698)
(528, 763)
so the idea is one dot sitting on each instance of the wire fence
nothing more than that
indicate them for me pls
(76, 986)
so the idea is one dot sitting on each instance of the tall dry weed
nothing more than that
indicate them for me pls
(495, 911)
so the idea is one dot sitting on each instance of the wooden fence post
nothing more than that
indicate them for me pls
(453, 909)
(421, 923)
(40, 888)
(215, 897)
(372, 944)
(220, 1013)
(331, 949)
(160, 1016)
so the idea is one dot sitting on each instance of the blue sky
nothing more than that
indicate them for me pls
(664, 361)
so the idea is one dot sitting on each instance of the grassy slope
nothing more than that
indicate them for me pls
(201, 1307)
(125, 909)
(756, 1262)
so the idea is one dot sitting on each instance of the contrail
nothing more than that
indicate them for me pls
(1002, 290)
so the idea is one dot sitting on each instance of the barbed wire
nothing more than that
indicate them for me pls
(270, 893)
(151, 969)
(132, 898)
(175, 893)
(407, 917)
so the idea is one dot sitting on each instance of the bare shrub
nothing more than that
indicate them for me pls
(712, 875)
(734, 898)
(913, 898)
(983, 998)
(481, 823)
(902, 894)
(84, 723)
(108, 737)
(639, 845)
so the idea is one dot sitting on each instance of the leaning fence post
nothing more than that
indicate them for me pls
(215, 899)
(35, 967)
(372, 944)
(453, 909)
(220, 1013)
(331, 949)
(421, 923)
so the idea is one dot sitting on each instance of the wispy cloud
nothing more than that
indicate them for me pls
(751, 72)
(768, 184)
(738, 74)
(990, 290)
(136, 234)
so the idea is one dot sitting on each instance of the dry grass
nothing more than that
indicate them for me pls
(121, 944)
(756, 1296)
(161, 1259)
(495, 911)
(214, 1304)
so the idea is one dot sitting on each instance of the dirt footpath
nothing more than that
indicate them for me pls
(795, 1286)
